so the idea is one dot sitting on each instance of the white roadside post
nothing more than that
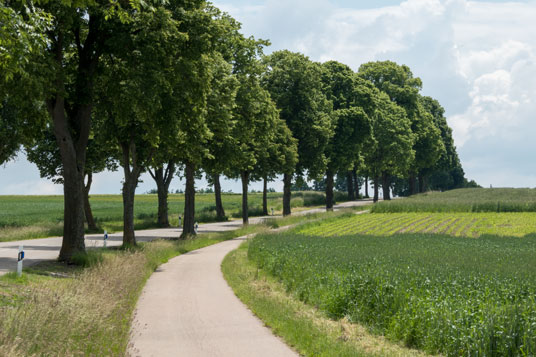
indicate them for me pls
(195, 227)
(19, 260)
(105, 240)
(272, 211)
(180, 219)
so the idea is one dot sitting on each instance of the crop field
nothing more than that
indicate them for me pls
(465, 200)
(23, 217)
(453, 224)
(438, 293)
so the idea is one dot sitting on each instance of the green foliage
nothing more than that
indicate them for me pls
(390, 149)
(428, 142)
(295, 84)
(44, 152)
(465, 200)
(447, 173)
(256, 117)
(220, 121)
(22, 37)
(403, 89)
(396, 81)
(22, 44)
(449, 295)
(253, 211)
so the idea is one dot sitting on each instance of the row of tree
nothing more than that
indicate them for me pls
(174, 86)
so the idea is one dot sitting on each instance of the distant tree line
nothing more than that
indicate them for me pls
(174, 88)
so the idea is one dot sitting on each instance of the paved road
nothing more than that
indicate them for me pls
(187, 309)
(48, 248)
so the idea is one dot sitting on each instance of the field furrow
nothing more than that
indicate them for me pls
(455, 224)
(387, 224)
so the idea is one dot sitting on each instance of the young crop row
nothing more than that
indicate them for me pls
(443, 294)
(454, 224)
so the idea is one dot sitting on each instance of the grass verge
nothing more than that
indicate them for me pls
(58, 310)
(303, 327)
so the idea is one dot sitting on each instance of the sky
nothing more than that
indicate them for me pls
(478, 58)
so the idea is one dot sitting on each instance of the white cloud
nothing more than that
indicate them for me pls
(34, 187)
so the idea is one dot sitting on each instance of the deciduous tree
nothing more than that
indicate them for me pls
(352, 98)
(295, 84)
(389, 151)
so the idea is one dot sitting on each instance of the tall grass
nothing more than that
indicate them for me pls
(450, 295)
(464, 200)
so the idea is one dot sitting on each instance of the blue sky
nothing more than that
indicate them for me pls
(478, 58)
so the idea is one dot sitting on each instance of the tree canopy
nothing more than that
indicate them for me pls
(158, 86)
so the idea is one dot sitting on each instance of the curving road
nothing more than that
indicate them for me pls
(49, 248)
(187, 309)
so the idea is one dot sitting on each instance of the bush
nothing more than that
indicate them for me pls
(314, 199)
(252, 212)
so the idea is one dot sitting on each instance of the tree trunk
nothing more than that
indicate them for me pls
(129, 191)
(189, 202)
(422, 183)
(163, 212)
(329, 191)
(91, 225)
(220, 212)
(366, 187)
(287, 182)
(350, 185)
(73, 224)
(412, 184)
(376, 179)
(73, 158)
(163, 179)
(265, 196)
(244, 175)
(386, 182)
(73, 149)
(356, 183)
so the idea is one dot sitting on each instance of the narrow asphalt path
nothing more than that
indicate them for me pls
(37, 250)
(187, 309)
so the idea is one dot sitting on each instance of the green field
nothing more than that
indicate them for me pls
(465, 200)
(453, 224)
(442, 294)
(23, 217)
(449, 273)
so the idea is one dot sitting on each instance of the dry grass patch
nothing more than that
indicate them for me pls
(85, 314)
